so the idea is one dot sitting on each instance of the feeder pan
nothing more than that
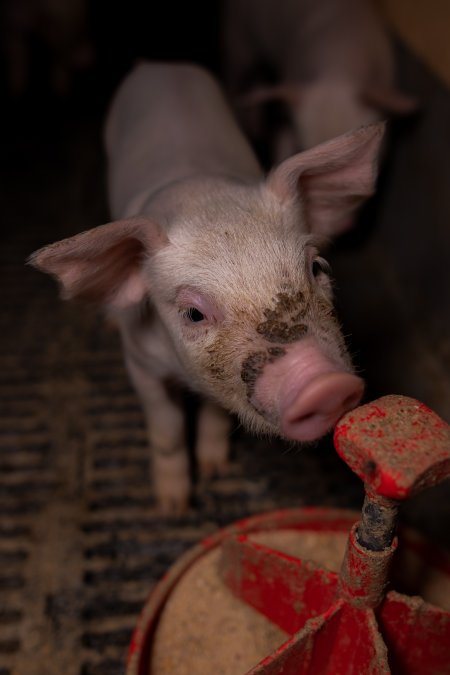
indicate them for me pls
(310, 591)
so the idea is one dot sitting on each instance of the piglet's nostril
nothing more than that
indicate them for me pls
(305, 418)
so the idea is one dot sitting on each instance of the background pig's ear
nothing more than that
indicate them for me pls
(103, 264)
(332, 179)
(390, 100)
(289, 93)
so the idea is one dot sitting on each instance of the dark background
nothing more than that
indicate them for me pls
(80, 541)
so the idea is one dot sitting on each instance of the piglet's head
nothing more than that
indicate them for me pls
(243, 295)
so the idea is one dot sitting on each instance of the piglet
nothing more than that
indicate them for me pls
(212, 271)
(329, 61)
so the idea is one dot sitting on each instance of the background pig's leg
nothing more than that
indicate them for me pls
(212, 445)
(285, 144)
(167, 439)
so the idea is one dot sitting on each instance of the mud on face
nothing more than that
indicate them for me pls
(284, 323)
(258, 337)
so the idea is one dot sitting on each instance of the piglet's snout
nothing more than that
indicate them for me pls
(319, 405)
(306, 392)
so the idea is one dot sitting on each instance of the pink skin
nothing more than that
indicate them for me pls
(306, 392)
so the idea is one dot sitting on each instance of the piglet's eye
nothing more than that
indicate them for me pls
(193, 314)
(197, 308)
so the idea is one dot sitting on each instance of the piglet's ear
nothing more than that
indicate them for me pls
(103, 265)
(332, 179)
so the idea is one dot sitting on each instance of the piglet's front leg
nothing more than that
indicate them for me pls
(212, 447)
(167, 439)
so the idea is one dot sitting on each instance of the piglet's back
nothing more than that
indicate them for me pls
(169, 122)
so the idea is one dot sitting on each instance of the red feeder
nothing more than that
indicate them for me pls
(346, 623)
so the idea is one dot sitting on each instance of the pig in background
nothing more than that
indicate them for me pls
(53, 33)
(212, 271)
(330, 63)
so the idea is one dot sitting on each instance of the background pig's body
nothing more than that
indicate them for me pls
(330, 61)
(241, 309)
